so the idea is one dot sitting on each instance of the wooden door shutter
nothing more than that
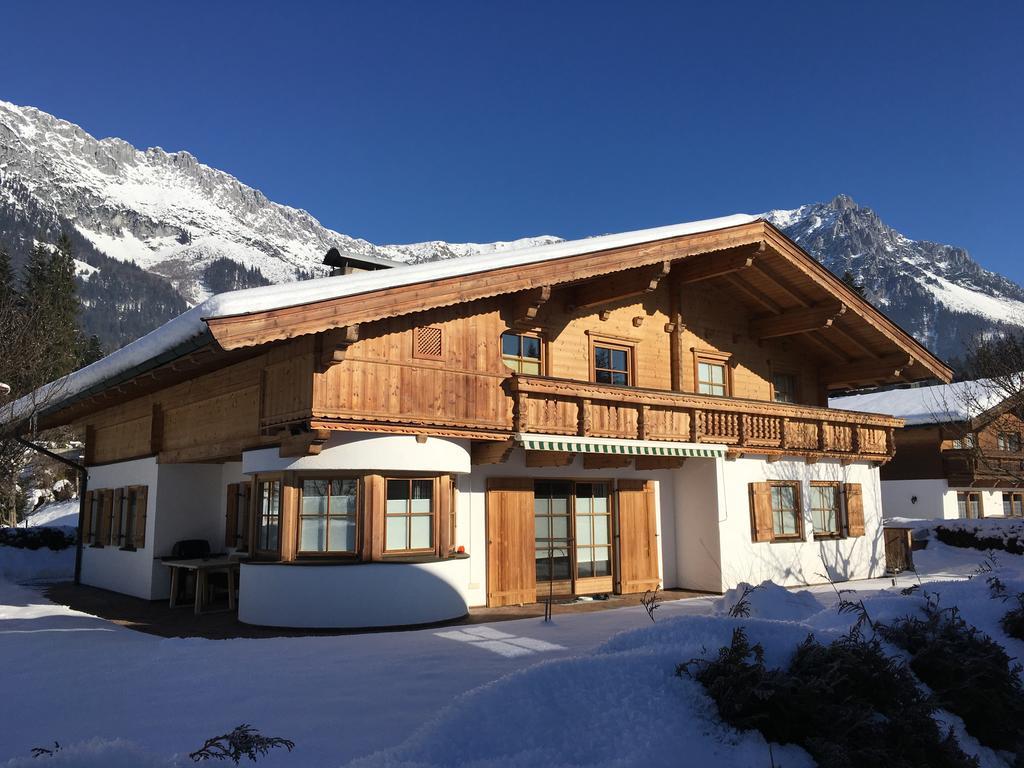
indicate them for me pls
(854, 509)
(231, 517)
(106, 511)
(139, 527)
(85, 535)
(511, 562)
(244, 504)
(638, 537)
(115, 519)
(761, 520)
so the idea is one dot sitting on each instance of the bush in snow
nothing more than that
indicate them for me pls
(976, 538)
(846, 703)
(244, 741)
(36, 538)
(968, 672)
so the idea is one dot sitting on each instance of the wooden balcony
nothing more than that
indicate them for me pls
(966, 467)
(565, 407)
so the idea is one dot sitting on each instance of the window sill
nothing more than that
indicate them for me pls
(386, 560)
(788, 540)
(828, 537)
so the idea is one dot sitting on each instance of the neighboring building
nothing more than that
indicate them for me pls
(959, 456)
(606, 415)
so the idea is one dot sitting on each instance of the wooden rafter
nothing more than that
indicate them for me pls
(741, 285)
(712, 265)
(795, 296)
(635, 282)
(842, 333)
(794, 321)
(527, 305)
(828, 349)
(867, 371)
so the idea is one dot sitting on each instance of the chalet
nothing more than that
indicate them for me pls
(960, 454)
(392, 446)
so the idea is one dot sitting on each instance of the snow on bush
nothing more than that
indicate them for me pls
(20, 564)
(768, 600)
(97, 753)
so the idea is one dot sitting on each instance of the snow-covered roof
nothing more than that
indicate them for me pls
(189, 330)
(960, 401)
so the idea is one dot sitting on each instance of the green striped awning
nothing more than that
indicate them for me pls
(565, 444)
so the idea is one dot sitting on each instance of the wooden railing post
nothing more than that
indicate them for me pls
(583, 416)
(784, 433)
(742, 428)
(519, 415)
(641, 422)
(695, 430)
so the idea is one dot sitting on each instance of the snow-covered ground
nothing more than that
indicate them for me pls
(593, 689)
(55, 514)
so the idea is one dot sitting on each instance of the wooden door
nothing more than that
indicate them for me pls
(638, 536)
(511, 568)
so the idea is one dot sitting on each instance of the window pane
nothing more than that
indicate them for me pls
(398, 489)
(603, 377)
(509, 344)
(397, 506)
(528, 367)
(396, 533)
(560, 527)
(343, 497)
(585, 569)
(314, 497)
(602, 357)
(602, 561)
(422, 496)
(312, 534)
(601, 530)
(619, 359)
(620, 379)
(531, 347)
(342, 536)
(559, 505)
(541, 527)
(583, 531)
(270, 537)
(717, 374)
(421, 532)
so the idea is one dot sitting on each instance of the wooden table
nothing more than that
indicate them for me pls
(202, 569)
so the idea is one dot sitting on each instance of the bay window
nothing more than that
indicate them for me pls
(327, 515)
(409, 515)
(268, 516)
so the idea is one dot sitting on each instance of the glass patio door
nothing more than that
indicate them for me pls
(552, 508)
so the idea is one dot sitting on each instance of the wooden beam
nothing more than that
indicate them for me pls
(304, 444)
(741, 285)
(794, 296)
(491, 451)
(608, 288)
(706, 267)
(795, 321)
(648, 463)
(606, 461)
(333, 344)
(527, 304)
(884, 369)
(549, 458)
(827, 348)
(837, 330)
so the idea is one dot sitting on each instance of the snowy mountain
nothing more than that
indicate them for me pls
(937, 292)
(155, 232)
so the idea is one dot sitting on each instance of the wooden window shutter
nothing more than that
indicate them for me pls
(85, 535)
(511, 562)
(761, 521)
(244, 504)
(231, 517)
(139, 527)
(854, 509)
(427, 343)
(115, 520)
(638, 537)
(106, 512)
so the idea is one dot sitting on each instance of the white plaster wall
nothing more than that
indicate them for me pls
(698, 540)
(130, 572)
(359, 595)
(472, 518)
(361, 451)
(991, 502)
(935, 501)
(808, 561)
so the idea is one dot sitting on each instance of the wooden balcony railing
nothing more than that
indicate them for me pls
(565, 407)
(966, 467)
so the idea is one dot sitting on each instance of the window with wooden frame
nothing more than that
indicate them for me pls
(452, 519)
(1013, 504)
(236, 517)
(965, 441)
(328, 515)
(268, 516)
(522, 352)
(826, 510)
(968, 504)
(409, 515)
(784, 387)
(593, 522)
(1008, 441)
(787, 519)
(611, 363)
(711, 373)
(428, 343)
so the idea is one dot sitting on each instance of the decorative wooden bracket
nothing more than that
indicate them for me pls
(491, 451)
(796, 321)
(333, 344)
(308, 443)
(624, 285)
(694, 270)
(527, 304)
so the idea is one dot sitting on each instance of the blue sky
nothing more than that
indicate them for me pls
(480, 121)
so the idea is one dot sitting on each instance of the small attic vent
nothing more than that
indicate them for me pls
(426, 343)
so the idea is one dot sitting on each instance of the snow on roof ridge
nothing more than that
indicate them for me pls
(959, 401)
(192, 323)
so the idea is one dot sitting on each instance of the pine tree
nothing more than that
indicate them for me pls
(52, 309)
(851, 281)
